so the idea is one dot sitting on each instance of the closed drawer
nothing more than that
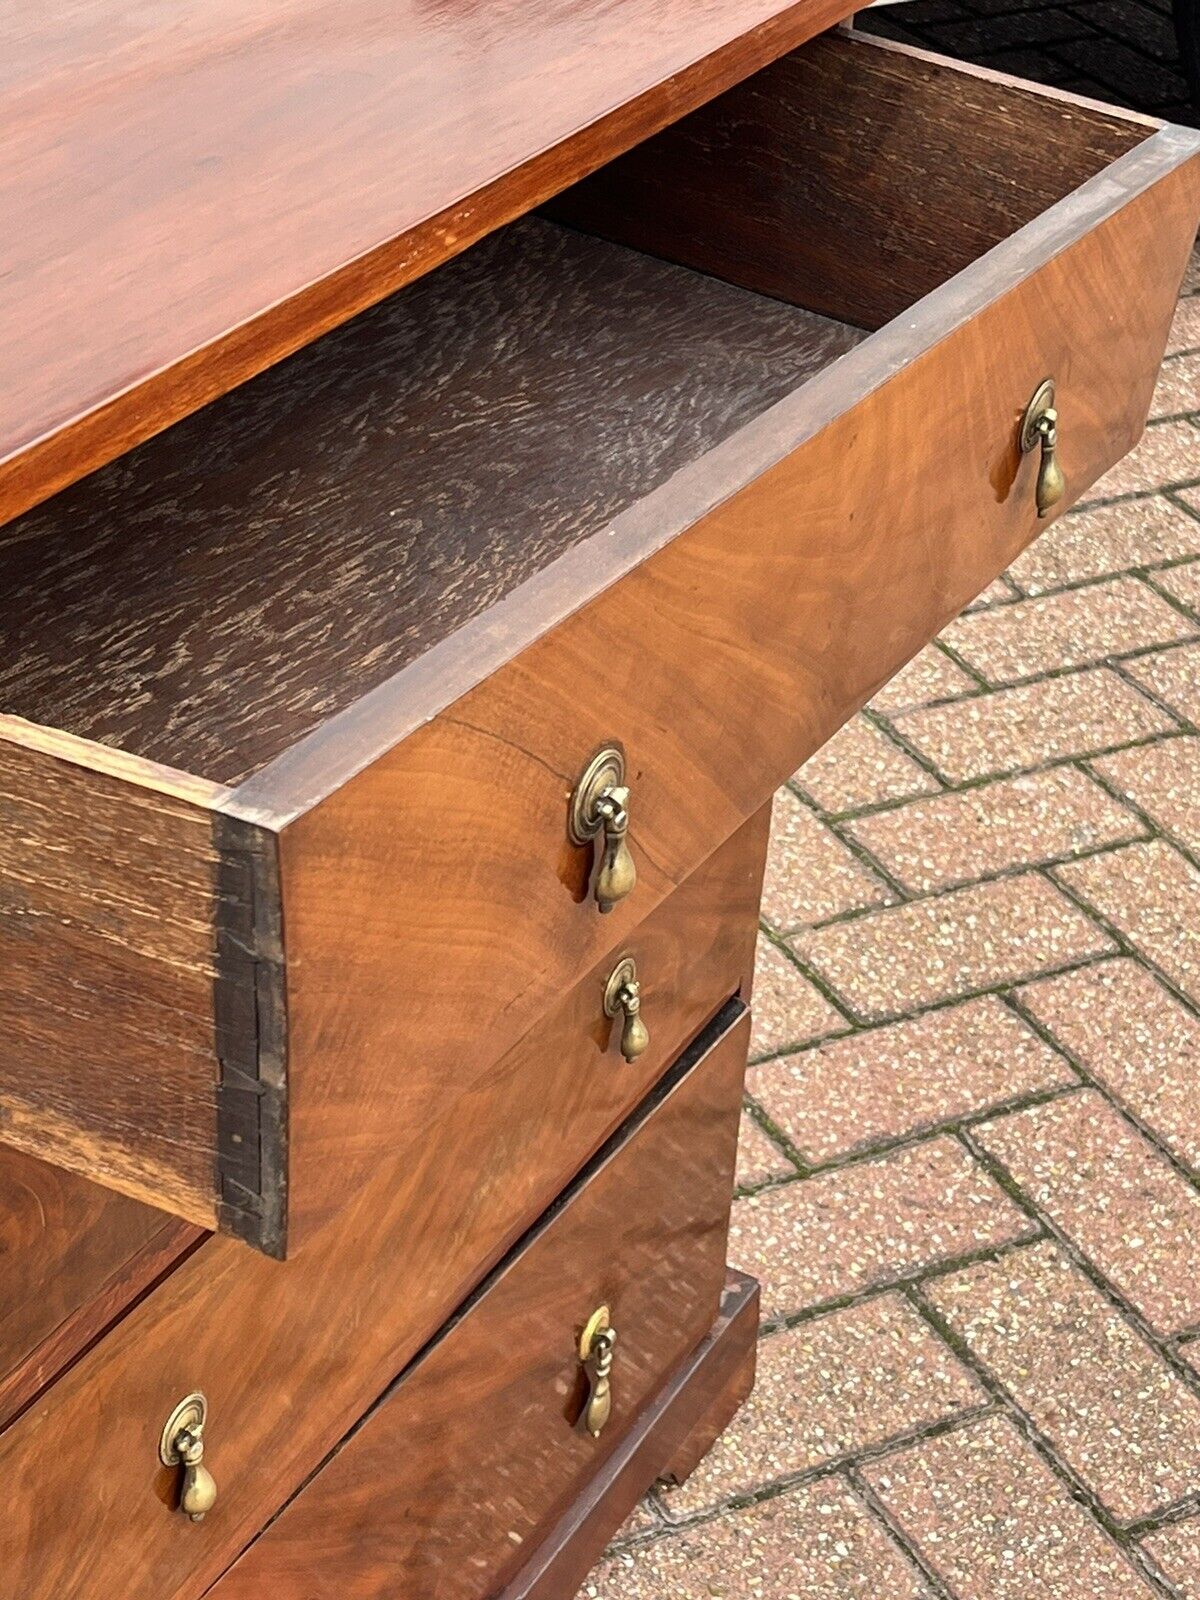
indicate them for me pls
(561, 494)
(443, 1491)
(291, 1355)
(73, 1256)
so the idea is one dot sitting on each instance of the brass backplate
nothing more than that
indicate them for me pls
(606, 770)
(188, 1416)
(599, 1322)
(1043, 401)
(623, 973)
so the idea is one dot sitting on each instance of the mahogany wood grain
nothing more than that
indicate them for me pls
(397, 886)
(479, 1448)
(290, 1354)
(852, 177)
(700, 1401)
(692, 950)
(73, 1256)
(825, 545)
(192, 191)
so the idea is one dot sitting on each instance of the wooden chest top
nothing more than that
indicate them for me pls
(193, 189)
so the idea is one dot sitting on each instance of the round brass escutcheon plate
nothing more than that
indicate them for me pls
(1043, 401)
(188, 1416)
(599, 1322)
(606, 770)
(623, 973)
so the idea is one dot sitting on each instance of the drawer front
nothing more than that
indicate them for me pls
(291, 1354)
(767, 594)
(444, 1490)
(72, 1257)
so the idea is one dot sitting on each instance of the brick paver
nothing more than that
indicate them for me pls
(928, 677)
(1014, 729)
(1168, 453)
(1073, 629)
(1173, 677)
(1106, 540)
(914, 955)
(811, 876)
(1135, 1039)
(829, 1389)
(868, 1225)
(1178, 387)
(1108, 1405)
(1013, 822)
(995, 1523)
(861, 766)
(1183, 583)
(887, 1083)
(818, 1542)
(1152, 895)
(971, 1167)
(788, 1009)
(1175, 1551)
(1185, 327)
(759, 1158)
(1120, 1202)
(1164, 780)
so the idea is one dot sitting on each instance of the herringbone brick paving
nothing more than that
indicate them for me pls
(970, 1168)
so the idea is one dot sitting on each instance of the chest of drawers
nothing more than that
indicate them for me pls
(387, 739)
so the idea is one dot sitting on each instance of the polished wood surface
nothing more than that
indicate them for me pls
(468, 1460)
(698, 1403)
(397, 886)
(361, 502)
(73, 1257)
(810, 570)
(193, 190)
(289, 1354)
(689, 947)
(853, 181)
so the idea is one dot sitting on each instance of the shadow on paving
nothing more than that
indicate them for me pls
(1123, 51)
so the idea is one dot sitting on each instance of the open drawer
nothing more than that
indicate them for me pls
(298, 692)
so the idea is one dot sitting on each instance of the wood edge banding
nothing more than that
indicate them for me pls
(112, 762)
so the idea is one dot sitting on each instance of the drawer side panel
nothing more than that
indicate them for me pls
(853, 177)
(141, 991)
(107, 1060)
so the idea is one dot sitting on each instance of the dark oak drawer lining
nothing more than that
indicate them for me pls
(542, 388)
(853, 177)
(360, 502)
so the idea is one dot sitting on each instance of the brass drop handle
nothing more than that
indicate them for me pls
(600, 810)
(182, 1444)
(1039, 429)
(623, 998)
(596, 1347)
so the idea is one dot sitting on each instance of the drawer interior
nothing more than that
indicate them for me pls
(215, 596)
